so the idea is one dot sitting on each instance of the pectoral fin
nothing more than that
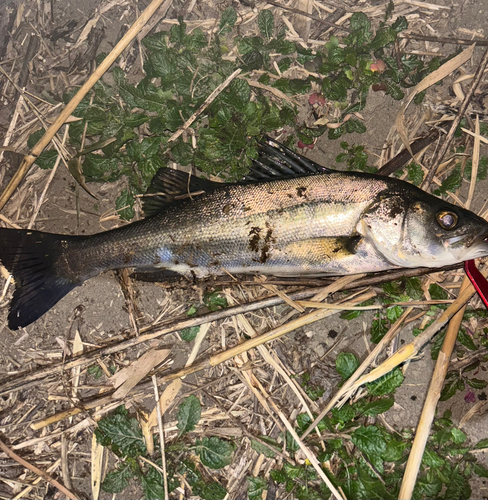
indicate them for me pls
(335, 256)
(324, 249)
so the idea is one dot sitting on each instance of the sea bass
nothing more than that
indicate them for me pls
(289, 217)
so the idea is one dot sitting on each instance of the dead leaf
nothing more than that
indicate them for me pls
(168, 396)
(129, 377)
(446, 69)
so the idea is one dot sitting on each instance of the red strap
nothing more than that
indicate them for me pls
(478, 280)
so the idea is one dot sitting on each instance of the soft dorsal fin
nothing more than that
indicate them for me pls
(276, 161)
(169, 185)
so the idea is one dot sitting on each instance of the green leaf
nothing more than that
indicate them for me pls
(99, 168)
(394, 450)
(35, 137)
(437, 292)
(413, 288)
(344, 414)
(291, 444)
(482, 444)
(458, 486)
(189, 414)
(476, 383)
(47, 159)
(466, 340)
(209, 491)
(346, 364)
(393, 313)
(432, 459)
(452, 182)
(228, 19)
(214, 452)
(121, 433)
(386, 384)
(450, 388)
(370, 440)
(118, 479)
(256, 487)
(153, 490)
(442, 437)
(278, 476)
(480, 470)
(238, 95)
(379, 328)
(436, 345)
(303, 421)
(360, 22)
(262, 449)
(458, 436)
(182, 152)
(215, 301)
(189, 334)
(253, 60)
(124, 205)
(401, 24)
(95, 371)
(415, 174)
(266, 23)
(292, 471)
(428, 486)
(383, 38)
(374, 408)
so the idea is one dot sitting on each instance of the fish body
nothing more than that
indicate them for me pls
(316, 222)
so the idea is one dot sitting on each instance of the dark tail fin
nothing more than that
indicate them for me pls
(33, 258)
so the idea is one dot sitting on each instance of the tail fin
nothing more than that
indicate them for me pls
(33, 258)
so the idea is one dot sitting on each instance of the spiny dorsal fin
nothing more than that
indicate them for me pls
(278, 162)
(169, 185)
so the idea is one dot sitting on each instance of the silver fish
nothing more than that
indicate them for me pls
(290, 217)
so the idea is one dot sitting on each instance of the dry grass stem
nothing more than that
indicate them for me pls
(345, 389)
(161, 436)
(37, 471)
(433, 395)
(428, 81)
(30, 158)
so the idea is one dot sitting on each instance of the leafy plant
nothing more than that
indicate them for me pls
(123, 435)
(128, 126)
(370, 462)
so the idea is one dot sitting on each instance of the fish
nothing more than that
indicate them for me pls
(288, 217)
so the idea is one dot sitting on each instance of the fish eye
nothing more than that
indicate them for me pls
(447, 220)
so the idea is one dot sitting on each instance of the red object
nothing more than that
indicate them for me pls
(302, 145)
(316, 99)
(477, 279)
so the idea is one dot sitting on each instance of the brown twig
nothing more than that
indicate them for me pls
(37, 471)
(404, 156)
(436, 159)
(30, 53)
(439, 39)
(310, 16)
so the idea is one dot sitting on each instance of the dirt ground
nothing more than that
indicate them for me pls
(99, 311)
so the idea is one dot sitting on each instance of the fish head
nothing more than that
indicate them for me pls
(423, 231)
